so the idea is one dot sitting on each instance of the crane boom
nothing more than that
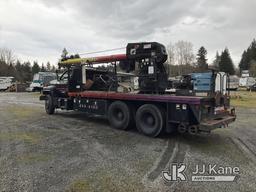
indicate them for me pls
(93, 60)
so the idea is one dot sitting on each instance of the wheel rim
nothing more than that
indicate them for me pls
(118, 115)
(148, 120)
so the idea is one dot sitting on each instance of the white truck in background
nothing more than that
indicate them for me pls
(245, 80)
(233, 83)
(6, 82)
(40, 80)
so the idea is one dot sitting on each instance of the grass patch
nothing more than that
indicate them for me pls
(33, 158)
(144, 164)
(19, 112)
(243, 99)
(106, 181)
(31, 138)
(80, 186)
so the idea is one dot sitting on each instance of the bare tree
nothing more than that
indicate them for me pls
(171, 58)
(181, 54)
(171, 54)
(7, 56)
(184, 53)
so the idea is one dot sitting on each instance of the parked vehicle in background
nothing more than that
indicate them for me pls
(245, 80)
(252, 88)
(6, 83)
(233, 83)
(41, 80)
(245, 73)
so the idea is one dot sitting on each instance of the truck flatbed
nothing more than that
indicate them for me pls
(139, 97)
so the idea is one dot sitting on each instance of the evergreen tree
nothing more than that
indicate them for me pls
(43, 69)
(27, 72)
(11, 70)
(216, 60)
(201, 59)
(226, 63)
(247, 56)
(253, 50)
(48, 66)
(243, 65)
(53, 69)
(3, 68)
(18, 70)
(253, 68)
(35, 68)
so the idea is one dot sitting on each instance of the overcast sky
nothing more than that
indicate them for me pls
(40, 29)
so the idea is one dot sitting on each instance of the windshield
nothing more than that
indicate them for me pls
(47, 79)
(64, 76)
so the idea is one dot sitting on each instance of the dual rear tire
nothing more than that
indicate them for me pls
(149, 118)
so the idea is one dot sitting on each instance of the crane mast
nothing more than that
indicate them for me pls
(145, 59)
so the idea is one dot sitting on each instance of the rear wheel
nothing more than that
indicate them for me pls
(119, 115)
(150, 120)
(49, 105)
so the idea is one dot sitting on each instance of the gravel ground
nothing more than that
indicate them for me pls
(71, 152)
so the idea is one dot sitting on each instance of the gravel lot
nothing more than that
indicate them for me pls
(71, 152)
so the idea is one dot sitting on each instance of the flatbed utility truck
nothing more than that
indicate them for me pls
(6, 83)
(145, 104)
(40, 80)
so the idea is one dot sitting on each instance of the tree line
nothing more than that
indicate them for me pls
(181, 60)
(22, 71)
(248, 60)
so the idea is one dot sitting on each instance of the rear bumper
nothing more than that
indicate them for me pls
(220, 122)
